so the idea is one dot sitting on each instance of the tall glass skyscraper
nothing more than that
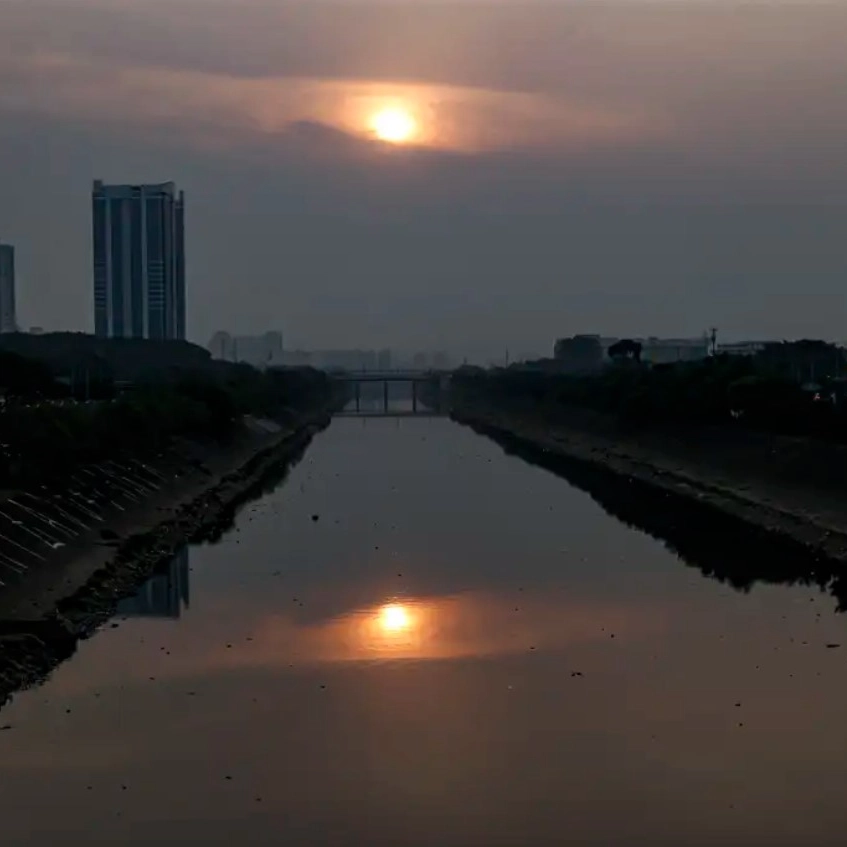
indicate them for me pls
(8, 321)
(139, 261)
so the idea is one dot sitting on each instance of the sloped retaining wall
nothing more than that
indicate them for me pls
(43, 615)
(809, 516)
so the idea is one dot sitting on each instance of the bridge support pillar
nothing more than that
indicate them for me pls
(358, 396)
(385, 396)
(414, 396)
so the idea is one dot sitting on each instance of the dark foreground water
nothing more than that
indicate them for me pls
(461, 650)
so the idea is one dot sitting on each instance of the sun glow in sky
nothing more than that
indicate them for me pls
(394, 618)
(394, 125)
(386, 128)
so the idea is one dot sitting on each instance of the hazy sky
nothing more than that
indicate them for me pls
(616, 167)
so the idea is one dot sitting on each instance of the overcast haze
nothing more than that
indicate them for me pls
(622, 168)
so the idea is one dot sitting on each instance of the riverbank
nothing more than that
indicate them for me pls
(765, 481)
(64, 597)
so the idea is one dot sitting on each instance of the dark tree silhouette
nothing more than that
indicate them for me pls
(626, 348)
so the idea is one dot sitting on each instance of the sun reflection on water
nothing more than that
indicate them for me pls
(396, 627)
(458, 626)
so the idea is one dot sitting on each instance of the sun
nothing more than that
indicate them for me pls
(394, 125)
(394, 618)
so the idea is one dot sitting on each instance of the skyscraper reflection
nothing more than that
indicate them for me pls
(164, 595)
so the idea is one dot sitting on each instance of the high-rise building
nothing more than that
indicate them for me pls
(8, 319)
(139, 261)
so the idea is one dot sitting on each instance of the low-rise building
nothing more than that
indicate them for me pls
(660, 351)
(296, 358)
(663, 350)
(741, 348)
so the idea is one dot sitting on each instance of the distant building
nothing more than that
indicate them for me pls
(139, 261)
(273, 344)
(659, 351)
(8, 318)
(257, 350)
(440, 361)
(742, 348)
(383, 360)
(347, 360)
(220, 346)
(296, 358)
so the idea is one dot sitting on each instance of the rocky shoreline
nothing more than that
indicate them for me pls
(810, 520)
(39, 632)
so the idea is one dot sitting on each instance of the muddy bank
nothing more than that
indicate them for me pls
(44, 615)
(814, 520)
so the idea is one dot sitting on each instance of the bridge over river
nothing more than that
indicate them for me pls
(427, 390)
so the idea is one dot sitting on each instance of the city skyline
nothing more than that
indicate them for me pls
(138, 246)
(543, 193)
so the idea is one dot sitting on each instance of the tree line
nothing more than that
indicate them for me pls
(44, 433)
(790, 388)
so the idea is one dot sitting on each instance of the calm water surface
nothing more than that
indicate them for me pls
(462, 649)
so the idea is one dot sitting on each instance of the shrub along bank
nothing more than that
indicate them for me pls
(43, 438)
(724, 390)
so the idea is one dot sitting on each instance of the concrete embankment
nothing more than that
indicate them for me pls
(784, 487)
(74, 557)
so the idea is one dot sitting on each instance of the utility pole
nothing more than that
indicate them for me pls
(713, 338)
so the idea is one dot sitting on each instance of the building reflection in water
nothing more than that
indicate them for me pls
(164, 595)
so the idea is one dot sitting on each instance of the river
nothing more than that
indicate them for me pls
(418, 639)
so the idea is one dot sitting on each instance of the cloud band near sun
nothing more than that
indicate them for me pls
(205, 107)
